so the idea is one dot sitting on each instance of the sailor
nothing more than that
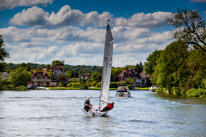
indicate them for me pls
(108, 107)
(87, 105)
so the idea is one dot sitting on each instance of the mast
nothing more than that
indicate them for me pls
(107, 65)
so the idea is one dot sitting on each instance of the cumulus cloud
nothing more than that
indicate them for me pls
(36, 16)
(10, 4)
(81, 46)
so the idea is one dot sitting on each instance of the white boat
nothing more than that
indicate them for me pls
(122, 92)
(152, 88)
(106, 75)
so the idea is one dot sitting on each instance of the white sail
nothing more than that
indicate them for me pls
(107, 65)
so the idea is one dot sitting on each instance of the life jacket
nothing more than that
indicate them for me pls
(110, 106)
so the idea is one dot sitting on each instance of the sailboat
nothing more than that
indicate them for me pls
(106, 75)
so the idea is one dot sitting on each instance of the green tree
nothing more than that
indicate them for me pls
(139, 67)
(24, 65)
(130, 81)
(3, 53)
(20, 77)
(62, 78)
(196, 64)
(171, 70)
(96, 76)
(57, 63)
(72, 74)
(194, 28)
(150, 64)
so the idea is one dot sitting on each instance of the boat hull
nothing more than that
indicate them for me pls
(94, 113)
(123, 94)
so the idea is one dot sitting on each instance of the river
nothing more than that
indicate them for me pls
(56, 113)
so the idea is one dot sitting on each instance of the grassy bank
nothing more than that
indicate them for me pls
(69, 88)
(199, 93)
(142, 88)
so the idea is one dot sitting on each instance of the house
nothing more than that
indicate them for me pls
(56, 70)
(128, 73)
(140, 78)
(40, 79)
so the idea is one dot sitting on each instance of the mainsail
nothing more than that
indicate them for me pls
(106, 72)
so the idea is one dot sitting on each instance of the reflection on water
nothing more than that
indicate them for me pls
(57, 113)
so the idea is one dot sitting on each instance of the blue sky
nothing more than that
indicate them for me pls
(74, 30)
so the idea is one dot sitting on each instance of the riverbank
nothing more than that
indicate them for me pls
(69, 88)
(198, 93)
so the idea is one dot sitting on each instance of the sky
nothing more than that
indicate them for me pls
(40, 31)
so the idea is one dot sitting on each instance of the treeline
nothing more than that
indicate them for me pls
(181, 67)
(35, 66)
(178, 69)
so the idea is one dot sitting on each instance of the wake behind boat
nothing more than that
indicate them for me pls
(106, 75)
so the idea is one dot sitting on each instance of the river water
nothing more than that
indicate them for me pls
(50, 113)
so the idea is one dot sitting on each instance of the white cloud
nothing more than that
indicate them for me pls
(81, 46)
(10, 4)
(36, 16)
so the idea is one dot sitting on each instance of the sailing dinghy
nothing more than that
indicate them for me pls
(106, 75)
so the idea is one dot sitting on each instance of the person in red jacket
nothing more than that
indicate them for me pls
(108, 107)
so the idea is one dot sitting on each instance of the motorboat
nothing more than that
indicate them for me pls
(123, 92)
(152, 88)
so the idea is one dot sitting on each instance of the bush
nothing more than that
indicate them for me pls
(8, 87)
(77, 85)
(165, 90)
(112, 84)
(69, 85)
(196, 93)
(203, 83)
(175, 91)
(21, 88)
(60, 85)
(84, 87)
(159, 89)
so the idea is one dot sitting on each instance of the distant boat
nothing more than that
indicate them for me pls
(122, 92)
(106, 75)
(152, 88)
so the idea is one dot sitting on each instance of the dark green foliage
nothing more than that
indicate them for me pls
(139, 67)
(179, 69)
(3, 54)
(96, 76)
(60, 85)
(196, 93)
(77, 85)
(84, 87)
(72, 74)
(62, 77)
(113, 84)
(21, 88)
(171, 68)
(150, 64)
(20, 77)
(57, 63)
